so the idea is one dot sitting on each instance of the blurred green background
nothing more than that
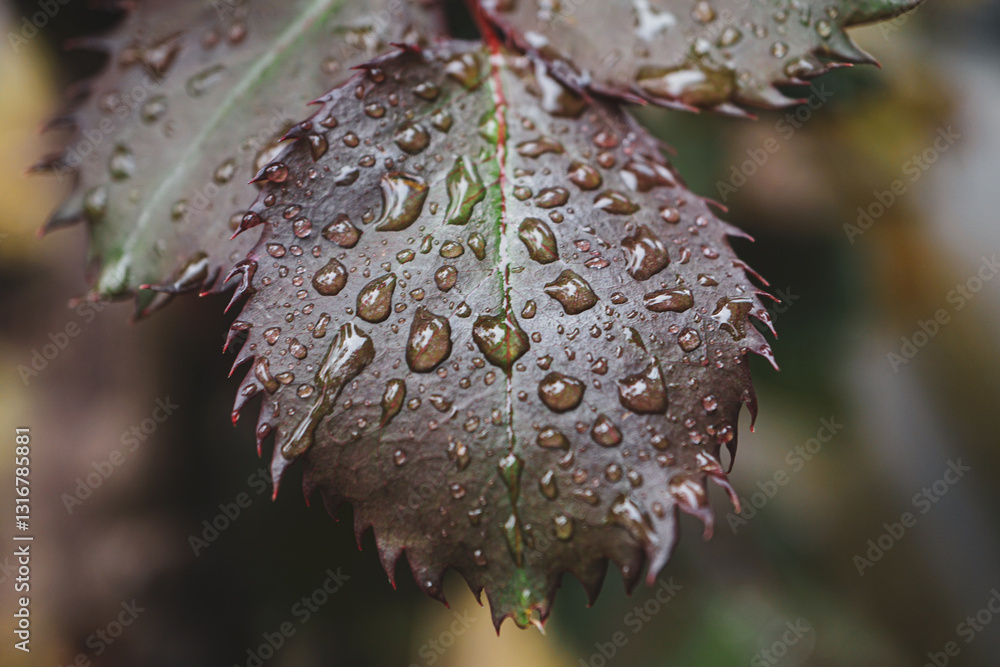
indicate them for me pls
(780, 585)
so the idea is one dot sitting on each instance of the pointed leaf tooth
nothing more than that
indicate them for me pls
(668, 530)
(591, 576)
(49, 163)
(388, 553)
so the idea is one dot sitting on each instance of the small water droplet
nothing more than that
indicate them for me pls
(535, 147)
(675, 300)
(201, 82)
(612, 201)
(122, 163)
(689, 339)
(564, 526)
(392, 402)
(551, 438)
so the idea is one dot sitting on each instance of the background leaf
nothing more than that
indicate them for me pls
(713, 54)
(491, 317)
(191, 102)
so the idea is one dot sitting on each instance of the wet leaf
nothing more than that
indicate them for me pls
(709, 54)
(494, 396)
(192, 101)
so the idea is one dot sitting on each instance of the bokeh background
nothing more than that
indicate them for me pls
(849, 301)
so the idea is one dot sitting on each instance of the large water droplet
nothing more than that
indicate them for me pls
(465, 190)
(500, 339)
(642, 175)
(332, 278)
(539, 240)
(466, 69)
(612, 201)
(552, 197)
(342, 232)
(375, 299)
(478, 245)
(430, 341)
(413, 139)
(689, 339)
(675, 300)
(351, 352)
(572, 292)
(731, 314)
(627, 514)
(403, 197)
(446, 277)
(584, 176)
(644, 392)
(645, 254)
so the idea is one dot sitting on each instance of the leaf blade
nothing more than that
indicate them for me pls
(536, 441)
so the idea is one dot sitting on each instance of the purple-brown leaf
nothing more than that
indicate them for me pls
(492, 318)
